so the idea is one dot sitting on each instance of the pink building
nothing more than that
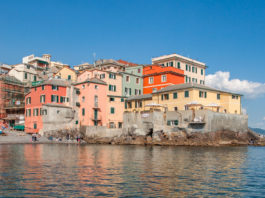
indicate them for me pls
(93, 96)
(115, 100)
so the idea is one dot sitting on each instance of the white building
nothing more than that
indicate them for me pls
(194, 70)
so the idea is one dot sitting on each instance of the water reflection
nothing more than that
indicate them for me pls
(116, 171)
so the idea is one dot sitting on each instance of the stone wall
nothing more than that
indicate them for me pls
(58, 118)
(203, 121)
(100, 132)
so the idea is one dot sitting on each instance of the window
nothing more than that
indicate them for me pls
(35, 125)
(96, 101)
(83, 111)
(54, 98)
(186, 94)
(43, 111)
(175, 95)
(62, 99)
(202, 94)
(202, 72)
(112, 125)
(112, 110)
(172, 122)
(112, 87)
(154, 90)
(112, 99)
(135, 104)
(178, 65)
(175, 108)
(234, 97)
(102, 76)
(164, 96)
(26, 75)
(112, 76)
(120, 124)
(83, 86)
(35, 78)
(42, 98)
(218, 96)
(137, 92)
(171, 64)
(35, 112)
(139, 70)
(96, 86)
(54, 87)
(137, 81)
(28, 112)
(140, 104)
(164, 78)
(193, 69)
(42, 87)
(187, 68)
(127, 78)
(28, 100)
(151, 80)
(83, 98)
(122, 99)
(129, 105)
(69, 77)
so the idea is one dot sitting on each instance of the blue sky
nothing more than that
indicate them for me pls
(227, 35)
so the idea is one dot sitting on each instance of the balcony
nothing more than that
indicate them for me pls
(15, 105)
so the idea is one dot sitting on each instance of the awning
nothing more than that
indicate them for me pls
(11, 117)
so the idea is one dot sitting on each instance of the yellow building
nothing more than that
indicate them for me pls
(187, 96)
(67, 73)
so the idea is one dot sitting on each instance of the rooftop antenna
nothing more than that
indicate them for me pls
(94, 56)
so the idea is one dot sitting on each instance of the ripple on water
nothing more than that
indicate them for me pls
(132, 171)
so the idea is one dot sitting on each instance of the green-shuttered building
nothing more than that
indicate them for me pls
(132, 81)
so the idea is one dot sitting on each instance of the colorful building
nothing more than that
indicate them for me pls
(194, 70)
(132, 81)
(115, 98)
(156, 77)
(52, 105)
(93, 98)
(67, 73)
(187, 96)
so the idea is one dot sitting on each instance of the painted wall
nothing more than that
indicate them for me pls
(173, 76)
(35, 94)
(118, 106)
(181, 63)
(88, 91)
(226, 101)
(131, 87)
(67, 72)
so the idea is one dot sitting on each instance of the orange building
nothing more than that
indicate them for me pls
(156, 77)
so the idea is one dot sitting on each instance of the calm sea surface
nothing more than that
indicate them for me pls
(61, 170)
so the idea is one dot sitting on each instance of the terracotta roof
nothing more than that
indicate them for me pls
(127, 63)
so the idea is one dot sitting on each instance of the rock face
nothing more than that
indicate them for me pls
(182, 138)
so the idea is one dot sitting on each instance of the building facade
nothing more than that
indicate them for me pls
(12, 101)
(132, 81)
(194, 70)
(51, 105)
(93, 106)
(67, 73)
(156, 77)
(115, 98)
(185, 97)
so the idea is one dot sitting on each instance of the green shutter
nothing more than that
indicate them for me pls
(176, 122)
(112, 110)
(168, 122)
(175, 95)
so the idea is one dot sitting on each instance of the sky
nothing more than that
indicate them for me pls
(226, 35)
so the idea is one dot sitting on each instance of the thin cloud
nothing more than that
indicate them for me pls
(221, 80)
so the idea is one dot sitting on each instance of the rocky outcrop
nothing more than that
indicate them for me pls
(181, 138)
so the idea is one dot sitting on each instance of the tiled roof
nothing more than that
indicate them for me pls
(140, 97)
(57, 82)
(188, 86)
(127, 63)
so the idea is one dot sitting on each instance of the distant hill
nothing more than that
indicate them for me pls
(258, 130)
